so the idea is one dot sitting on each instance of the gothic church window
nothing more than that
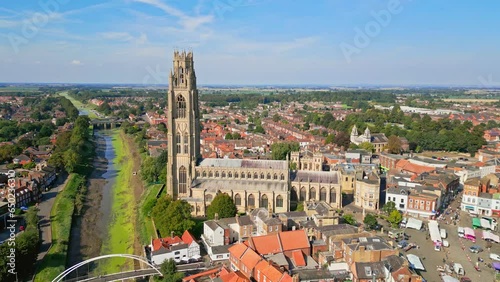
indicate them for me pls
(264, 202)
(251, 200)
(333, 196)
(282, 176)
(268, 176)
(182, 180)
(237, 199)
(181, 107)
(322, 194)
(186, 142)
(312, 194)
(178, 142)
(279, 201)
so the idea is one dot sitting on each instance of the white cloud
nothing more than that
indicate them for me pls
(188, 23)
(124, 37)
(7, 23)
(76, 63)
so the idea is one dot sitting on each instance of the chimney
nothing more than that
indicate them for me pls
(172, 234)
(361, 248)
(216, 216)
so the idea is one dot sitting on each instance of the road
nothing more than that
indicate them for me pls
(44, 214)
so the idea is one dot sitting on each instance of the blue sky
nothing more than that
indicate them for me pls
(335, 42)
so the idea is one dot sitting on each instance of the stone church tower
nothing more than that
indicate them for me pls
(183, 126)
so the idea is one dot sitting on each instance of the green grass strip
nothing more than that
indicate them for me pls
(121, 236)
(61, 217)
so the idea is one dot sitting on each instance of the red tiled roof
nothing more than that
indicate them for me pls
(233, 277)
(187, 238)
(165, 242)
(250, 258)
(293, 240)
(298, 258)
(267, 244)
(413, 168)
(238, 250)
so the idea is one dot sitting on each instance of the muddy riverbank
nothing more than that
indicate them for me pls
(90, 228)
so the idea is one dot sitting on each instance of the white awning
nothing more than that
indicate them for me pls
(448, 278)
(196, 257)
(487, 235)
(185, 259)
(415, 262)
(414, 223)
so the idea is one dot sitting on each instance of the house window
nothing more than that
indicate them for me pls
(282, 177)
(262, 176)
(279, 201)
(411, 200)
(230, 174)
(268, 176)
(237, 199)
(402, 200)
(210, 174)
(255, 175)
(216, 174)
(249, 175)
(270, 228)
(275, 176)
(223, 174)
(176, 253)
(182, 180)
(204, 174)
(181, 107)
(236, 175)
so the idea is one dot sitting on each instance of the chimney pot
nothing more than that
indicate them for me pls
(216, 216)
(172, 234)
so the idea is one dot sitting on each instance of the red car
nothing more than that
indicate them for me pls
(465, 279)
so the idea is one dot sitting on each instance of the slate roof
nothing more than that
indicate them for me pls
(315, 176)
(239, 163)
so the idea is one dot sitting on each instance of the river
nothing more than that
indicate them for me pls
(91, 227)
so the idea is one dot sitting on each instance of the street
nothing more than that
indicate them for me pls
(44, 215)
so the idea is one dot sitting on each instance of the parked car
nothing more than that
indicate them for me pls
(494, 257)
(402, 244)
(475, 249)
(465, 279)
(443, 233)
(446, 244)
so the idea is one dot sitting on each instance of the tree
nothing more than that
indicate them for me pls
(395, 218)
(281, 150)
(259, 129)
(370, 221)
(394, 145)
(236, 136)
(162, 127)
(228, 136)
(223, 205)
(342, 139)
(169, 271)
(349, 219)
(237, 121)
(276, 117)
(389, 207)
(367, 146)
(172, 216)
(330, 139)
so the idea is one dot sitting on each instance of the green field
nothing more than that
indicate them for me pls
(61, 217)
(80, 106)
(121, 232)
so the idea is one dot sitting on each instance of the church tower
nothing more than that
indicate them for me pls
(183, 126)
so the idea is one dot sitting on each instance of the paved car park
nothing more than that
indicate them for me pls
(457, 252)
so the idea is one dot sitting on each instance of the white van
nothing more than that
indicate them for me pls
(461, 232)
(443, 233)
